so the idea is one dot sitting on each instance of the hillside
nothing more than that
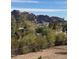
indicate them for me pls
(31, 33)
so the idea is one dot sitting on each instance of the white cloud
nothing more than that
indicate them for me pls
(25, 1)
(39, 10)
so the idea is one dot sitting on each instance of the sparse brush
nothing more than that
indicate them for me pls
(40, 57)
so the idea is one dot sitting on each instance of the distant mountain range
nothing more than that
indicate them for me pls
(36, 18)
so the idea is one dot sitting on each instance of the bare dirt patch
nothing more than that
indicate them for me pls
(58, 52)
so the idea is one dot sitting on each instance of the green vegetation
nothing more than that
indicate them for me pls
(28, 35)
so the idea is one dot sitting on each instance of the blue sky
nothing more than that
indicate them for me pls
(46, 7)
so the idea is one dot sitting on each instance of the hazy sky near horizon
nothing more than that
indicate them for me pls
(46, 7)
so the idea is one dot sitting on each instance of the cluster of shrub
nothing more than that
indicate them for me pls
(29, 36)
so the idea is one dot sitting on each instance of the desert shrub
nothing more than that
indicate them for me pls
(14, 45)
(42, 42)
(61, 39)
(42, 29)
(33, 42)
(25, 49)
(51, 37)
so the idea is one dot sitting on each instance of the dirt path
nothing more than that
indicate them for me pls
(58, 52)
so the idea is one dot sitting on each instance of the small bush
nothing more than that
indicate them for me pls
(61, 39)
(40, 57)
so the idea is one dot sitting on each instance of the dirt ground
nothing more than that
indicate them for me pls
(58, 52)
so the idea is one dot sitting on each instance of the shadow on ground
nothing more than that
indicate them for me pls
(62, 53)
